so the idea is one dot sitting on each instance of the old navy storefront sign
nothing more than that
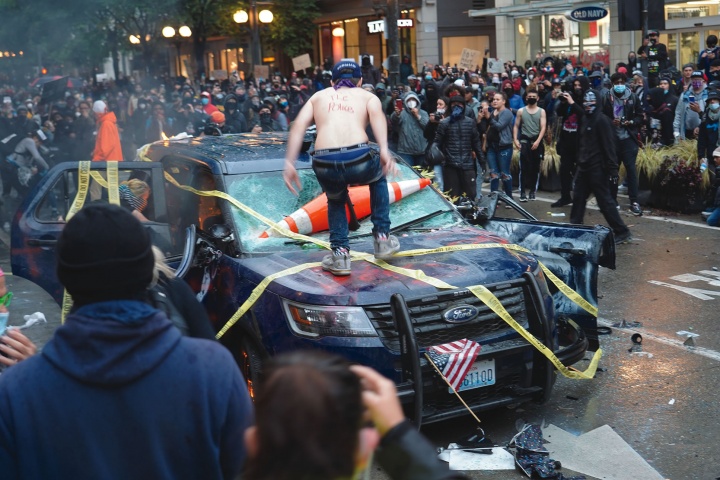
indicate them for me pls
(588, 13)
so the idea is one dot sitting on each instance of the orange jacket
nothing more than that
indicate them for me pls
(107, 144)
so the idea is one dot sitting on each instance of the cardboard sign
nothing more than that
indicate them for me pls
(219, 74)
(302, 62)
(261, 71)
(495, 65)
(469, 59)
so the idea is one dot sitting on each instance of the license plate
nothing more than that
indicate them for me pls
(481, 374)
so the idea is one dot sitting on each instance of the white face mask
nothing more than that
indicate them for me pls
(411, 104)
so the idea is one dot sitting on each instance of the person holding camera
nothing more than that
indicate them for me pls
(656, 55)
(712, 52)
(689, 109)
(623, 108)
(570, 112)
(429, 133)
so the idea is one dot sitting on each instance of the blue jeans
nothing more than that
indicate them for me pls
(714, 218)
(335, 177)
(498, 160)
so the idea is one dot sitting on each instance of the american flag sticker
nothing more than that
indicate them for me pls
(454, 359)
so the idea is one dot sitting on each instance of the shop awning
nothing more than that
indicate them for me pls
(534, 8)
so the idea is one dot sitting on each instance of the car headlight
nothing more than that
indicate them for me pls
(315, 321)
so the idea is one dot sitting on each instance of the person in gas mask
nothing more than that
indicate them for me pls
(597, 167)
(410, 122)
(710, 54)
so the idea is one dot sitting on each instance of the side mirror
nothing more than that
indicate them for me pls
(220, 232)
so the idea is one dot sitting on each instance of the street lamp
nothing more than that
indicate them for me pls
(176, 37)
(254, 18)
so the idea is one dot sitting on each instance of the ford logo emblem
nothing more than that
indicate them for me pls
(460, 314)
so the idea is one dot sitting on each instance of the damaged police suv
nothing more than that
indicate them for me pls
(209, 199)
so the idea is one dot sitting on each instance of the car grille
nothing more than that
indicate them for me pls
(431, 329)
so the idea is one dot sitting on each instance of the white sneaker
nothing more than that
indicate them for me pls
(337, 263)
(386, 247)
(705, 215)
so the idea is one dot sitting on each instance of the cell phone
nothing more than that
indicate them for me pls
(691, 97)
(399, 104)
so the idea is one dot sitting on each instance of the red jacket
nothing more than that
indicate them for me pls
(107, 143)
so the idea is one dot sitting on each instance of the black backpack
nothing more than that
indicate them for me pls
(8, 144)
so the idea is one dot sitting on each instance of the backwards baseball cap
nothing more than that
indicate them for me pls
(346, 69)
(653, 33)
(716, 153)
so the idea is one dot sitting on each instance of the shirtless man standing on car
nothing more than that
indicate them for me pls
(343, 157)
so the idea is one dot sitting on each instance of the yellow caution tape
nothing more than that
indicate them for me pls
(481, 292)
(97, 176)
(113, 174)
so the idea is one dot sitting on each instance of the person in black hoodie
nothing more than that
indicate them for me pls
(708, 131)
(569, 112)
(125, 383)
(457, 137)
(597, 167)
(235, 121)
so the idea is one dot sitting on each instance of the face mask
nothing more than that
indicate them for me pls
(665, 92)
(241, 98)
(457, 111)
(548, 69)
(596, 82)
(283, 104)
(265, 117)
(631, 58)
(697, 84)
(411, 104)
(531, 77)
(440, 111)
(268, 89)
(619, 89)
(475, 86)
(256, 102)
(230, 106)
(142, 106)
(509, 93)
(578, 90)
(714, 107)
(205, 101)
(589, 107)
(514, 72)
(532, 101)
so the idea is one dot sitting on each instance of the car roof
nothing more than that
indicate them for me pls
(231, 154)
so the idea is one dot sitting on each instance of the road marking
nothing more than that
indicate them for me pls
(704, 352)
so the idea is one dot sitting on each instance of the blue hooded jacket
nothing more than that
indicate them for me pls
(123, 399)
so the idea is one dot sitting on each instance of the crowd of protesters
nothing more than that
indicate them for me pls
(521, 107)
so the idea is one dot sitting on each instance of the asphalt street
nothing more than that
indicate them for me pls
(659, 398)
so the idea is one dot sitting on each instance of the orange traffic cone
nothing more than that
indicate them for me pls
(313, 218)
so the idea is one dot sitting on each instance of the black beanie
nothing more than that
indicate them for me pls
(104, 253)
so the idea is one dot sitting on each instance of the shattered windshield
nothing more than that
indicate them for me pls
(266, 194)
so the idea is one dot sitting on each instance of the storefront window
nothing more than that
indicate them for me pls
(352, 39)
(675, 11)
(689, 47)
(529, 35)
(670, 41)
(211, 62)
